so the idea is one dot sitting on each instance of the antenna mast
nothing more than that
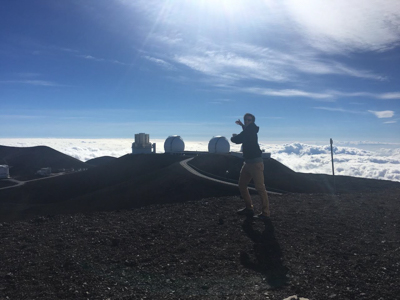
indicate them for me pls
(333, 168)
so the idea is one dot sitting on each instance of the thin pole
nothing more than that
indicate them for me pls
(333, 169)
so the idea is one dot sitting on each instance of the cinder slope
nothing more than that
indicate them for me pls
(130, 181)
(317, 246)
(99, 161)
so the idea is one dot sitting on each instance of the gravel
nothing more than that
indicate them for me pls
(316, 246)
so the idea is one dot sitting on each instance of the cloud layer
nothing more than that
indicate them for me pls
(349, 161)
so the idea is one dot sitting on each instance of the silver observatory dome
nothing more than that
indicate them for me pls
(174, 143)
(219, 144)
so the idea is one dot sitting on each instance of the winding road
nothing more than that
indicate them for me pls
(19, 183)
(184, 163)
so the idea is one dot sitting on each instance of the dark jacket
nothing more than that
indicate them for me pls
(248, 137)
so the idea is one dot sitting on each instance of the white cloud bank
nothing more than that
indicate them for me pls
(350, 161)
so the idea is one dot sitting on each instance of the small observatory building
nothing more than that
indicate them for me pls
(142, 144)
(174, 144)
(219, 144)
(44, 171)
(4, 171)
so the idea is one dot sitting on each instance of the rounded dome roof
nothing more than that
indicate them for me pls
(218, 144)
(174, 143)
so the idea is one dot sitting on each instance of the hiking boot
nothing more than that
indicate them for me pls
(262, 217)
(245, 212)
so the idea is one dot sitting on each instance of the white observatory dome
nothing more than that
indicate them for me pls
(174, 143)
(218, 144)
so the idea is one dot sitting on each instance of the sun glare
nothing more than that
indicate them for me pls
(226, 7)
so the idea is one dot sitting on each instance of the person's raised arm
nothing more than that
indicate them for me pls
(238, 122)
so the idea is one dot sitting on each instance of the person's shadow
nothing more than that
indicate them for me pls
(268, 254)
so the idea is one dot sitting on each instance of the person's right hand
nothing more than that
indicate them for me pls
(238, 122)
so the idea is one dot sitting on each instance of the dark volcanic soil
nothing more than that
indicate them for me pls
(317, 246)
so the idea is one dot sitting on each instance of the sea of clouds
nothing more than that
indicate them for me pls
(381, 163)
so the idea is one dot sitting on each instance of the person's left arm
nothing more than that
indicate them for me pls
(239, 139)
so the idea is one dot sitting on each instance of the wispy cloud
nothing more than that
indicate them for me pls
(338, 109)
(28, 75)
(328, 95)
(170, 39)
(13, 117)
(353, 94)
(288, 93)
(32, 82)
(90, 57)
(383, 113)
(305, 61)
(242, 62)
(345, 70)
(228, 66)
(221, 101)
(395, 95)
(160, 62)
(391, 95)
(65, 49)
(46, 49)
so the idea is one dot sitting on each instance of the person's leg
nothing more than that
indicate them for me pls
(257, 173)
(244, 179)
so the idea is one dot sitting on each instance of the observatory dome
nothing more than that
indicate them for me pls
(218, 144)
(174, 143)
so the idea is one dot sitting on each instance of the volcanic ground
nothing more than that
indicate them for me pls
(175, 236)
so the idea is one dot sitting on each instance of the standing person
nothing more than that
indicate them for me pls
(253, 166)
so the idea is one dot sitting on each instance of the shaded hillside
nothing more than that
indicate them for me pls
(139, 180)
(98, 161)
(278, 177)
(25, 162)
(129, 181)
(167, 185)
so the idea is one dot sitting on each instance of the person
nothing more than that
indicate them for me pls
(253, 167)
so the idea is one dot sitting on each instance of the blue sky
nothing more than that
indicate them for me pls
(308, 70)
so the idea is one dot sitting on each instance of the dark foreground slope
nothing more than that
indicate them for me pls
(316, 246)
(24, 162)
